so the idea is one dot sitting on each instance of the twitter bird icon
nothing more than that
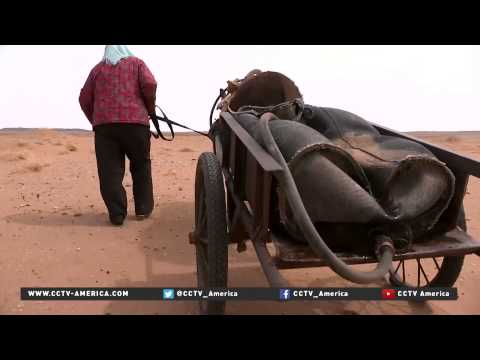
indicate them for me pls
(168, 294)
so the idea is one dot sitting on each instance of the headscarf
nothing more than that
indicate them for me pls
(115, 53)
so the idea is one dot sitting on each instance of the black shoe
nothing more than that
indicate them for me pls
(117, 219)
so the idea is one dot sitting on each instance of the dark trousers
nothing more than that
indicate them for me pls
(112, 143)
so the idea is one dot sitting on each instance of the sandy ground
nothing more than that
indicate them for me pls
(54, 232)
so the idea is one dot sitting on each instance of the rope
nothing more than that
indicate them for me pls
(155, 118)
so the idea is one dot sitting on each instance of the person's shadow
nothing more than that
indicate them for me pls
(170, 262)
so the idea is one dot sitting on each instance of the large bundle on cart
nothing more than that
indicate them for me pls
(354, 182)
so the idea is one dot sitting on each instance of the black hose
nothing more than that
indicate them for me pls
(221, 95)
(384, 248)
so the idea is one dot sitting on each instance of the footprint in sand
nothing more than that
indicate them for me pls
(30, 168)
(34, 167)
(185, 150)
(170, 172)
(9, 156)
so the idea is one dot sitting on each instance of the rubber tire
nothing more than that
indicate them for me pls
(451, 266)
(209, 178)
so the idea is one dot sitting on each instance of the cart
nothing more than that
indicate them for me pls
(233, 204)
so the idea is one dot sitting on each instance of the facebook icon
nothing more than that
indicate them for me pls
(284, 294)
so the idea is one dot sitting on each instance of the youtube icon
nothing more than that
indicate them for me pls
(389, 294)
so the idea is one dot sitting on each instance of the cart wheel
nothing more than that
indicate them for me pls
(211, 230)
(429, 272)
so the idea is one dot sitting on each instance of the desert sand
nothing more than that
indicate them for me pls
(54, 232)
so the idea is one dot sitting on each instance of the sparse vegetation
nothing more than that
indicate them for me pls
(71, 147)
(34, 167)
(452, 139)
